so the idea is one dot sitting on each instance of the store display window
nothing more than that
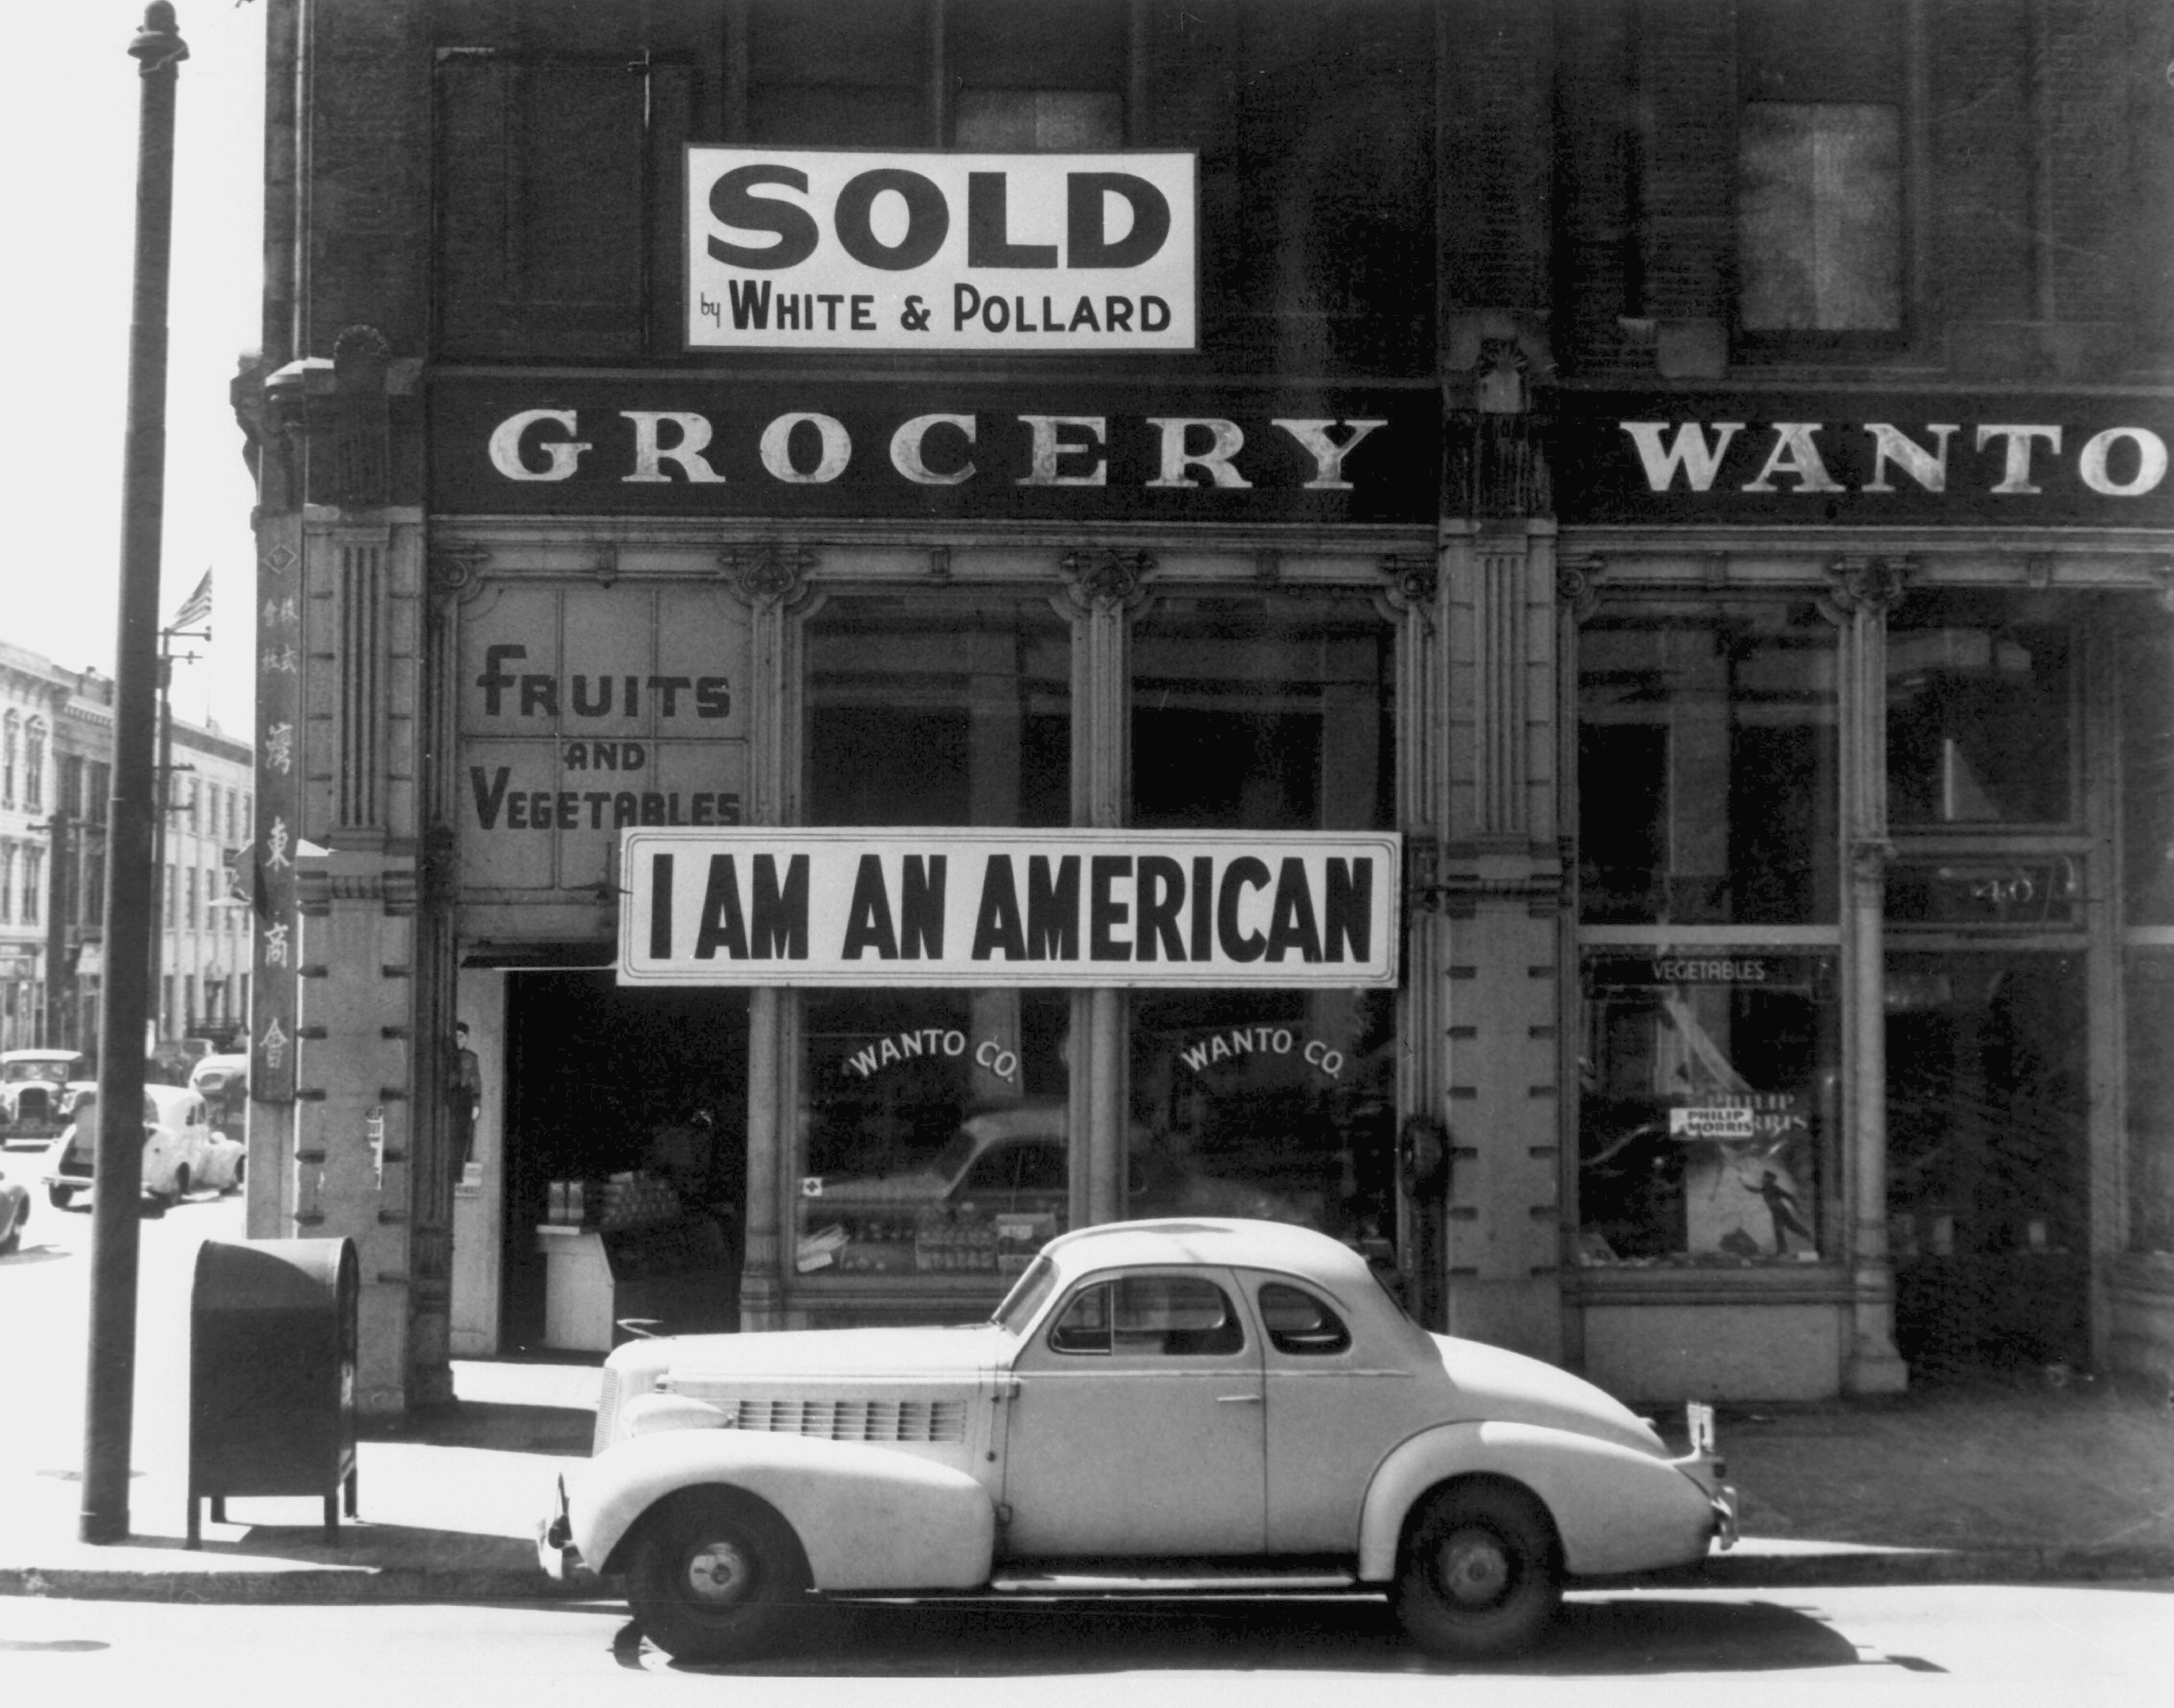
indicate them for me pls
(938, 709)
(935, 1139)
(2151, 1104)
(1255, 713)
(2147, 766)
(1707, 763)
(1980, 728)
(935, 1136)
(1275, 1104)
(1708, 1106)
(1264, 713)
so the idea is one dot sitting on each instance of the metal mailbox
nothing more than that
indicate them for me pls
(271, 1374)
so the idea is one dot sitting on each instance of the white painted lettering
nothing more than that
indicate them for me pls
(837, 449)
(1928, 469)
(686, 454)
(1225, 441)
(1688, 452)
(2015, 474)
(2150, 462)
(1327, 454)
(561, 457)
(1794, 454)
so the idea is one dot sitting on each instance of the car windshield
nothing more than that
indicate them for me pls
(955, 1156)
(1026, 1297)
(51, 1072)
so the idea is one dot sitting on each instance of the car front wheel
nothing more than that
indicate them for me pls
(716, 1575)
(1480, 1576)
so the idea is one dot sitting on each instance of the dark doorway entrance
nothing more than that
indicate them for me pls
(610, 1087)
(1987, 1110)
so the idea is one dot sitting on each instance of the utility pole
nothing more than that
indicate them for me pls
(60, 976)
(109, 1388)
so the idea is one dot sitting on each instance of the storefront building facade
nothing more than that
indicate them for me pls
(1534, 647)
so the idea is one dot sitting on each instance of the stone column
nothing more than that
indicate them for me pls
(771, 581)
(1864, 589)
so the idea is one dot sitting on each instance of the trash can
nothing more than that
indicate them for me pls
(272, 1375)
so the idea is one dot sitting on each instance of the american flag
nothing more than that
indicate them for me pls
(196, 609)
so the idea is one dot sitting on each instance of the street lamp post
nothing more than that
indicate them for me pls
(109, 1396)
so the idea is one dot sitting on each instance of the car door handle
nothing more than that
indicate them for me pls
(1237, 1399)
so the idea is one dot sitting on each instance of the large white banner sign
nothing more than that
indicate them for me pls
(821, 249)
(1006, 907)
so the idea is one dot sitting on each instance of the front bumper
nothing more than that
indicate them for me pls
(1705, 1466)
(555, 1553)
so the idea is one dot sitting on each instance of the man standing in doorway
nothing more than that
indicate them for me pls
(465, 1096)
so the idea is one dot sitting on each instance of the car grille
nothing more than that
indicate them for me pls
(850, 1420)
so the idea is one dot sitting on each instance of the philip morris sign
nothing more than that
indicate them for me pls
(999, 908)
(818, 249)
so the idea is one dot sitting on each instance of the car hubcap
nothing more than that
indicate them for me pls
(1475, 1568)
(718, 1573)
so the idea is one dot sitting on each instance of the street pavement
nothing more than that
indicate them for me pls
(2022, 1482)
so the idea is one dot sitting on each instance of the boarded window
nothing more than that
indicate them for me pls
(547, 174)
(1819, 217)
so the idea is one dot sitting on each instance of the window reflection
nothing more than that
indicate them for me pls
(1708, 1106)
(1707, 785)
(1978, 720)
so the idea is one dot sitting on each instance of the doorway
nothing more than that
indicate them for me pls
(614, 1088)
(1988, 1115)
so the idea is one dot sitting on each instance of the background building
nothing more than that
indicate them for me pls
(1697, 474)
(56, 778)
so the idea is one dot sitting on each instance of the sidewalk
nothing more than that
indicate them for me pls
(1988, 1484)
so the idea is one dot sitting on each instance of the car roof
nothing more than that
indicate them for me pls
(1225, 1241)
(42, 1055)
(170, 1100)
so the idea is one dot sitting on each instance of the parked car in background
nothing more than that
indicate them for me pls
(223, 1082)
(176, 1129)
(37, 1088)
(1157, 1407)
(14, 1211)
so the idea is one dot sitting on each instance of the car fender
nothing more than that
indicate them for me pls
(867, 1517)
(1615, 1508)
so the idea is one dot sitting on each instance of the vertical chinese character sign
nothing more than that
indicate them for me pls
(274, 829)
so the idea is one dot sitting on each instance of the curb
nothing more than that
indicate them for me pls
(423, 1584)
(348, 1586)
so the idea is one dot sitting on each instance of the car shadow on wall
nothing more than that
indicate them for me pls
(1595, 1635)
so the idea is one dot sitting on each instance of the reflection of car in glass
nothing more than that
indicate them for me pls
(1008, 1160)
(1185, 1404)
(37, 1088)
(177, 1132)
(14, 1211)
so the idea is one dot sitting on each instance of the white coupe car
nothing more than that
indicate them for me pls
(1208, 1405)
(180, 1154)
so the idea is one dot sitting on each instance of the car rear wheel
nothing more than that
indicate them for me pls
(1480, 1576)
(716, 1575)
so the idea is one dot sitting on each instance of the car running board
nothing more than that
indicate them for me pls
(1236, 1579)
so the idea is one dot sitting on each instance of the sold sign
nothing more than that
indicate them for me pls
(808, 249)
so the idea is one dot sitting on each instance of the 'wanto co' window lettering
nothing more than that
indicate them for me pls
(1708, 1106)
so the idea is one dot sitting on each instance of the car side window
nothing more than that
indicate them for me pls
(1172, 1316)
(1300, 1324)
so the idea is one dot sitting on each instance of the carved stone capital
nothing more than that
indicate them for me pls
(1870, 584)
(1106, 578)
(454, 571)
(767, 574)
(1577, 584)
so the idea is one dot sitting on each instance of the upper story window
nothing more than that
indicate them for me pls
(1821, 206)
(7, 883)
(2147, 771)
(101, 789)
(34, 765)
(11, 746)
